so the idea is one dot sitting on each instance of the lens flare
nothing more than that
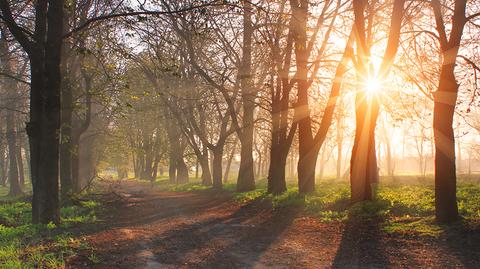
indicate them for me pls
(373, 86)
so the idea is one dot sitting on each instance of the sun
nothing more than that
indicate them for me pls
(373, 85)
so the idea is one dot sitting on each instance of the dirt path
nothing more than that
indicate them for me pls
(156, 229)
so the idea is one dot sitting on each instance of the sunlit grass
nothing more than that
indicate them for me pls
(405, 204)
(25, 245)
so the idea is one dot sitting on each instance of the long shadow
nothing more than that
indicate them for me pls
(245, 236)
(185, 210)
(247, 251)
(360, 246)
(462, 240)
(166, 207)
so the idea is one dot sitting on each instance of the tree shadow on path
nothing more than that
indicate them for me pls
(234, 241)
(463, 242)
(360, 246)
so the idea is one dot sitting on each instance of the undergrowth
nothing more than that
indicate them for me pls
(404, 208)
(25, 245)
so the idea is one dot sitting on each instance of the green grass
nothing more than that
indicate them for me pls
(405, 204)
(25, 245)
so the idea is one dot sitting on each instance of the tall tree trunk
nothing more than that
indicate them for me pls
(229, 162)
(445, 98)
(155, 165)
(363, 163)
(3, 162)
(445, 170)
(21, 167)
(44, 52)
(246, 177)
(182, 169)
(390, 160)
(204, 164)
(75, 163)
(13, 179)
(339, 147)
(147, 169)
(66, 150)
(172, 168)
(307, 153)
(217, 167)
(276, 172)
(11, 132)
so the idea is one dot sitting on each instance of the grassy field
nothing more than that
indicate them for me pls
(24, 245)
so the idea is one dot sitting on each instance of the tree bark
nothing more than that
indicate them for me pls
(446, 209)
(66, 150)
(307, 153)
(246, 176)
(182, 169)
(206, 174)
(276, 172)
(445, 98)
(217, 167)
(11, 132)
(229, 162)
(44, 52)
(172, 168)
(21, 167)
(15, 189)
(3, 161)
(363, 163)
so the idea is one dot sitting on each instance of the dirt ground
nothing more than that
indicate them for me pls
(154, 229)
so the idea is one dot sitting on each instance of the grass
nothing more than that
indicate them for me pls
(25, 245)
(406, 205)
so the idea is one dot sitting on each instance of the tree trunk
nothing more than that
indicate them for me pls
(217, 167)
(339, 148)
(276, 172)
(155, 166)
(246, 177)
(229, 162)
(15, 189)
(147, 170)
(206, 175)
(363, 163)
(66, 150)
(75, 163)
(3, 163)
(307, 153)
(21, 167)
(172, 169)
(182, 170)
(44, 52)
(322, 163)
(446, 209)
(135, 165)
(390, 161)
(445, 99)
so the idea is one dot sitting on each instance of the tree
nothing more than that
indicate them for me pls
(14, 155)
(445, 99)
(44, 51)
(363, 163)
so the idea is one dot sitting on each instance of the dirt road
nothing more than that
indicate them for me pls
(155, 229)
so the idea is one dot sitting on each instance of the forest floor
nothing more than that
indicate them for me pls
(153, 228)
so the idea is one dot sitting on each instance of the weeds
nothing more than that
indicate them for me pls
(25, 245)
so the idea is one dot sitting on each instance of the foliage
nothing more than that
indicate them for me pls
(24, 245)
